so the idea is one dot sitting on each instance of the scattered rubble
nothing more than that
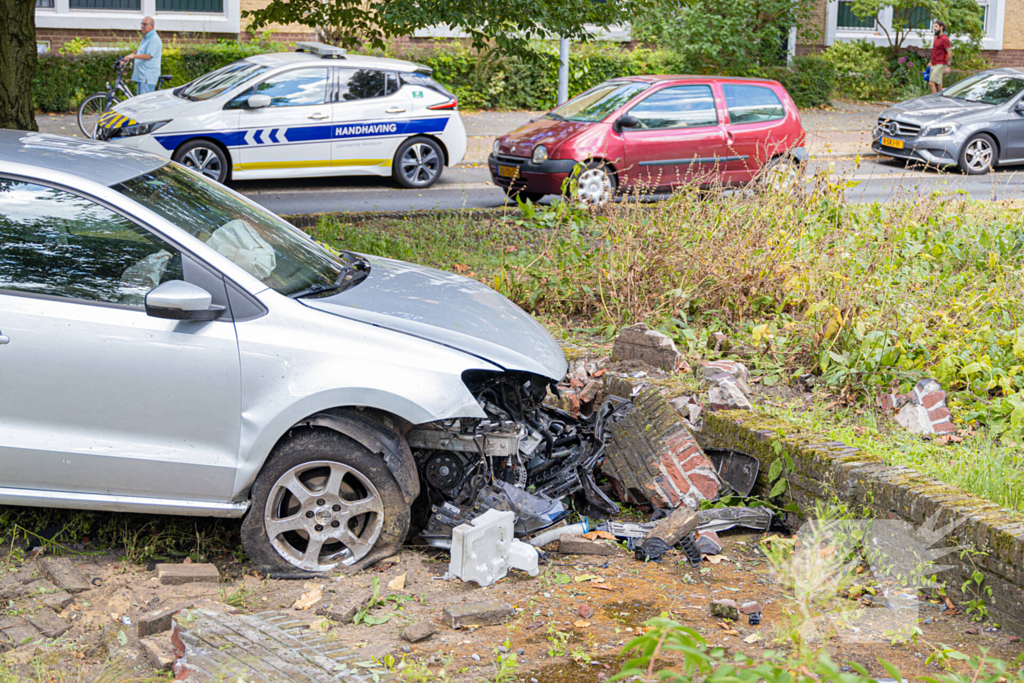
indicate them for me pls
(638, 342)
(65, 575)
(667, 533)
(155, 622)
(729, 384)
(753, 612)
(709, 543)
(577, 545)
(483, 613)
(342, 608)
(419, 631)
(725, 609)
(923, 410)
(177, 574)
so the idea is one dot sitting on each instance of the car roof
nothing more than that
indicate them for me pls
(94, 161)
(661, 78)
(274, 59)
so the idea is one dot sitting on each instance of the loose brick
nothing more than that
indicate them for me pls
(343, 608)
(64, 574)
(178, 574)
(419, 631)
(48, 623)
(156, 621)
(57, 600)
(159, 652)
(483, 613)
(725, 609)
(577, 545)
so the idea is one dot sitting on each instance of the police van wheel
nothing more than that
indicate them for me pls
(204, 157)
(418, 163)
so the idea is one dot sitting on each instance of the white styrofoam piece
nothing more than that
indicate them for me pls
(480, 550)
(523, 556)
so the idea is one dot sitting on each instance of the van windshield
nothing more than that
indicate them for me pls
(599, 102)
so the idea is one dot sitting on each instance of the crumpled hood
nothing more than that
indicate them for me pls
(935, 109)
(551, 132)
(155, 106)
(451, 310)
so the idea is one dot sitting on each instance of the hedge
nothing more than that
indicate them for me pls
(480, 80)
(61, 82)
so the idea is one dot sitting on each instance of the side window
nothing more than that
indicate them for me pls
(684, 106)
(57, 243)
(362, 84)
(393, 84)
(296, 88)
(752, 104)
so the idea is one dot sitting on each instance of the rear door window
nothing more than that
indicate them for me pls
(684, 106)
(362, 84)
(752, 104)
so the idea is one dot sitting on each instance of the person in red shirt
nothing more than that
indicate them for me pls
(942, 54)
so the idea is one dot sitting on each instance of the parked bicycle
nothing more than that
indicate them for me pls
(95, 106)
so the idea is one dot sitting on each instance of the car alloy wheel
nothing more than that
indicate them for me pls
(595, 186)
(203, 160)
(420, 164)
(781, 174)
(978, 155)
(321, 514)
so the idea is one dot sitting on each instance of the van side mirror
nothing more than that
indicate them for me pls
(626, 121)
(257, 101)
(180, 300)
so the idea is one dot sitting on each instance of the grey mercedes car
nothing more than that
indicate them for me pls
(976, 124)
(168, 346)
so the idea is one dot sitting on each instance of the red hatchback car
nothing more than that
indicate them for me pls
(649, 132)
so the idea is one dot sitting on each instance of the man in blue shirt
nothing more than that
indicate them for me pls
(146, 58)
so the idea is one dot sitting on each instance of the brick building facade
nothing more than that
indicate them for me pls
(1003, 44)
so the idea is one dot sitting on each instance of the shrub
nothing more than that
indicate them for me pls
(809, 80)
(862, 71)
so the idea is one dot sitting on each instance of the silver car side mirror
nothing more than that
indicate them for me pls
(180, 300)
(258, 101)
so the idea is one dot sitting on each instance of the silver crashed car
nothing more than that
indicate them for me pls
(976, 124)
(167, 346)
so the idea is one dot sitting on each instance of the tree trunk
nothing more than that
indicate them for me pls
(17, 63)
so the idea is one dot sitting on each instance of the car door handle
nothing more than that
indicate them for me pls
(394, 110)
(318, 116)
(4, 340)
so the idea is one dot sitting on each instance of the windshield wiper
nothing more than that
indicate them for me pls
(354, 273)
(180, 92)
(558, 117)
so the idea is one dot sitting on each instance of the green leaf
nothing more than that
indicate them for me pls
(562, 579)
(890, 669)
(778, 489)
(775, 470)
(122, 638)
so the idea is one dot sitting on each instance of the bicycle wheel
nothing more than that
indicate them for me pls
(90, 111)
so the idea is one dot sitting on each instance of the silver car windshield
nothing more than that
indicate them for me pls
(986, 89)
(598, 102)
(221, 80)
(259, 242)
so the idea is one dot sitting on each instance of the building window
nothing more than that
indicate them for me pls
(847, 19)
(45, 4)
(983, 6)
(129, 5)
(212, 6)
(917, 18)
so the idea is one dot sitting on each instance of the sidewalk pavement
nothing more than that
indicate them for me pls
(842, 132)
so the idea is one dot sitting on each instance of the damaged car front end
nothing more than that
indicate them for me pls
(525, 457)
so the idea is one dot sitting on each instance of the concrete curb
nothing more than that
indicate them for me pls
(825, 468)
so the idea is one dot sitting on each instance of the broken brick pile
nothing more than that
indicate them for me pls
(923, 410)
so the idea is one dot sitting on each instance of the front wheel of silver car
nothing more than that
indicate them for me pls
(321, 502)
(204, 156)
(978, 155)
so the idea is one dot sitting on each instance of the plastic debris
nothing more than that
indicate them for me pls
(484, 550)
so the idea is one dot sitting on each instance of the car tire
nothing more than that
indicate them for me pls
(309, 488)
(524, 195)
(978, 155)
(781, 174)
(594, 183)
(206, 157)
(418, 163)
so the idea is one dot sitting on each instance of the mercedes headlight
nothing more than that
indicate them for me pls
(496, 148)
(137, 129)
(540, 154)
(941, 129)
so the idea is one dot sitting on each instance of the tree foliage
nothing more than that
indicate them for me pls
(507, 26)
(738, 37)
(962, 17)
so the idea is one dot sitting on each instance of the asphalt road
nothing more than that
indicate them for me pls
(469, 187)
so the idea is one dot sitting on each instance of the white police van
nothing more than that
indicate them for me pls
(314, 112)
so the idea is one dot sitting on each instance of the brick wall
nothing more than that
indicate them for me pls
(1013, 27)
(279, 30)
(58, 36)
(826, 468)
